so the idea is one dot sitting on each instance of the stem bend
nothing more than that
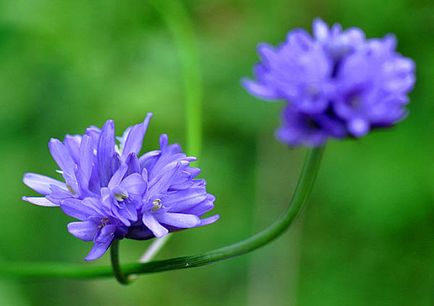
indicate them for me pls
(114, 257)
(59, 270)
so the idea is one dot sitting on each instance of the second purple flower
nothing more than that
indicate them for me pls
(336, 83)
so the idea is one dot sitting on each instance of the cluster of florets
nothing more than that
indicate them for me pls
(115, 193)
(336, 83)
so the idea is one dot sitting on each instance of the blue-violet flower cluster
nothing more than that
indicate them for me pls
(115, 193)
(336, 83)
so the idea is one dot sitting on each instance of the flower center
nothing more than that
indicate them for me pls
(355, 102)
(104, 222)
(72, 191)
(311, 124)
(156, 204)
(313, 90)
(120, 197)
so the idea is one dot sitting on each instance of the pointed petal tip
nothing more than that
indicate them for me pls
(132, 139)
(160, 234)
(54, 141)
(164, 140)
(265, 51)
(259, 90)
(92, 257)
(183, 163)
(320, 29)
(319, 21)
(148, 117)
(191, 159)
(98, 250)
(358, 127)
(209, 220)
(108, 125)
(109, 122)
(40, 201)
(245, 82)
(146, 121)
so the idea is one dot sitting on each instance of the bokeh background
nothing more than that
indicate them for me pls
(367, 235)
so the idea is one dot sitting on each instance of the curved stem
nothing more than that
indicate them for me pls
(302, 191)
(179, 24)
(114, 257)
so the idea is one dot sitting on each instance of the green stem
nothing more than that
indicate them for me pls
(114, 256)
(180, 26)
(302, 191)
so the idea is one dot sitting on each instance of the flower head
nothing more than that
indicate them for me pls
(336, 83)
(116, 193)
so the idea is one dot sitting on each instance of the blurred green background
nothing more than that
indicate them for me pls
(367, 236)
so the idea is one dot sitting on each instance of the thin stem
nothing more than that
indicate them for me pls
(302, 191)
(114, 256)
(181, 27)
(153, 249)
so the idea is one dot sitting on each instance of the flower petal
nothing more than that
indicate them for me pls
(149, 159)
(134, 139)
(64, 160)
(320, 30)
(94, 204)
(209, 220)
(106, 198)
(260, 90)
(127, 212)
(185, 199)
(77, 209)
(179, 220)
(40, 201)
(164, 140)
(102, 242)
(154, 226)
(134, 184)
(86, 157)
(72, 143)
(122, 214)
(98, 250)
(58, 194)
(118, 176)
(358, 127)
(106, 149)
(41, 183)
(85, 230)
(161, 182)
(133, 164)
(109, 204)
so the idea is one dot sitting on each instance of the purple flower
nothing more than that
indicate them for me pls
(117, 193)
(336, 83)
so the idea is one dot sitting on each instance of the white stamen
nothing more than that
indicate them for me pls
(156, 204)
(120, 197)
(72, 191)
(104, 222)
